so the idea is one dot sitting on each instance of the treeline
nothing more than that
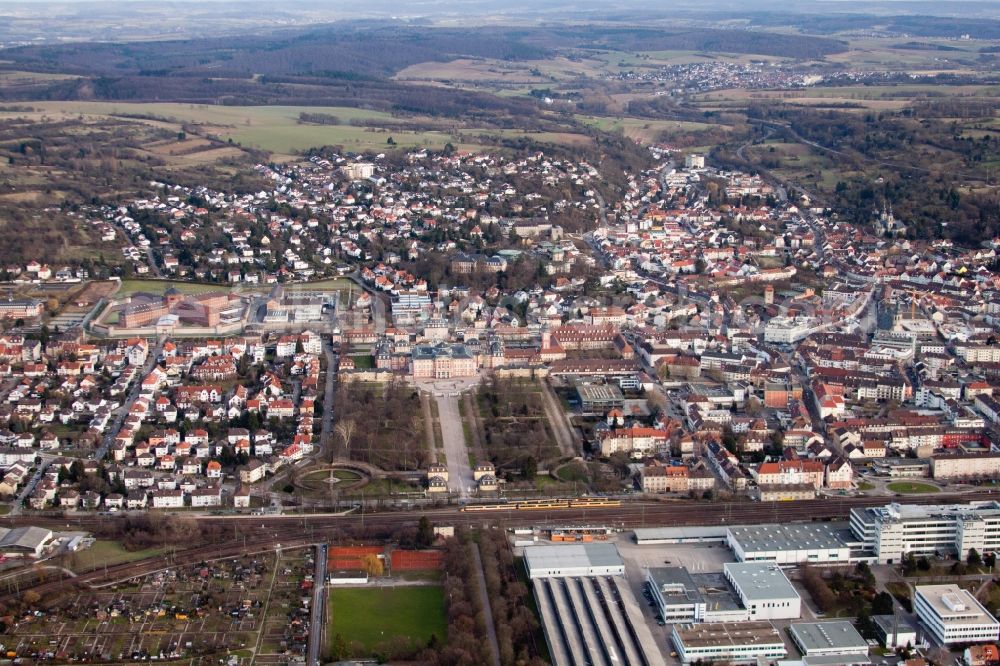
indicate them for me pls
(148, 530)
(319, 119)
(467, 645)
(377, 95)
(697, 39)
(351, 52)
(516, 625)
(916, 25)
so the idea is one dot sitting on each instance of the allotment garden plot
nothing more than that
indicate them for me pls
(246, 606)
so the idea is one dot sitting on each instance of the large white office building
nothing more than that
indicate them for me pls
(892, 531)
(952, 615)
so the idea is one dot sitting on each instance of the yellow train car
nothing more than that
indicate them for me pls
(535, 505)
(594, 501)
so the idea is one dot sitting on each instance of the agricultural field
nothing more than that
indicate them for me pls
(275, 129)
(374, 615)
(928, 56)
(644, 130)
(248, 606)
(488, 73)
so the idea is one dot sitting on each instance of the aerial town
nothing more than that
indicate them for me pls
(448, 334)
(710, 339)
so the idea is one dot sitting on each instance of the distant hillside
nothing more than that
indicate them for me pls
(364, 50)
(347, 65)
(354, 49)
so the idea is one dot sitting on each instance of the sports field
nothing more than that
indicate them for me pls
(371, 615)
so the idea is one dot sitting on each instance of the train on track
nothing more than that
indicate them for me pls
(544, 504)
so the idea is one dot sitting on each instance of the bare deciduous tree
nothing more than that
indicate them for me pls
(344, 430)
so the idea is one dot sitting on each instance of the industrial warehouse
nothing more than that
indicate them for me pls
(589, 614)
(880, 535)
(734, 593)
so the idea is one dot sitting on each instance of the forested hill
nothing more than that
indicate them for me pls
(357, 51)
(342, 50)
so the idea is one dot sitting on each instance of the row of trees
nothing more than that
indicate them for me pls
(516, 625)
(466, 615)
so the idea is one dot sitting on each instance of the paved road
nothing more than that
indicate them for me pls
(459, 470)
(557, 417)
(318, 618)
(484, 596)
(29, 487)
(153, 268)
(326, 425)
(133, 395)
(602, 208)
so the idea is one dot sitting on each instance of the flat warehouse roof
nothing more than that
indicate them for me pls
(684, 587)
(835, 636)
(577, 623)
(29, 538)
(890, 623)
(574, 556)
(760, 581)
(792, 536)
(678, 534)
(722, 634)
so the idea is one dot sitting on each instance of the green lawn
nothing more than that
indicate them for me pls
(912, 487)
(372, 615)
(384, 488)
(864, 485)
(363, 361)
(111, 553)
(346, 475)
(573, 472)
(159, 287)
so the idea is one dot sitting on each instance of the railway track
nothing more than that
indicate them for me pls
(245, 534)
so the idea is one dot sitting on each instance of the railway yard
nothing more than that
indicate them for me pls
(250, 535)
(245, 596)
